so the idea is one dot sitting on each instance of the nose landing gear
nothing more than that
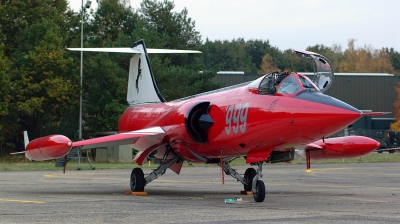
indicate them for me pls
(250, 180)
(258, 187)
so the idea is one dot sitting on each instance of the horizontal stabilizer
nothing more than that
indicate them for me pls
(15, 153)
(134, 50)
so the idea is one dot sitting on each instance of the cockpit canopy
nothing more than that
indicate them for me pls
(278, 83)
(290, 84)
(323, 70)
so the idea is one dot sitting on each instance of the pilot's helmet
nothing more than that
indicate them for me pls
(281, 77)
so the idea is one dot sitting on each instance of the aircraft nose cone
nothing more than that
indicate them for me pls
(327, 114)
(326, 100)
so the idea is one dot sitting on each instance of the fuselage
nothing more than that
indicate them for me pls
(244, 120)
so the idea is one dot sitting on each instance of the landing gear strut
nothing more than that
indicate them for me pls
(138, 180)
(250, 180)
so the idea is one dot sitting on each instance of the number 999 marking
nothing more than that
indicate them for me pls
(236, 118)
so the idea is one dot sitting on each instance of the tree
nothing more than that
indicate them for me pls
(365, 60)
(267, 65)
(395, 59)
(176, 28)
(4, 96)
(161, 27)
(227, 56)
(257, 49)
(42, 85)
(111, 19)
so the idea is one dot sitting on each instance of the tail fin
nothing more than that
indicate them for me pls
(26, 139)
(142, 87)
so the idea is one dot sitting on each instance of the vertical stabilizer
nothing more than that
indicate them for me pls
(26, 139)
(142, 87)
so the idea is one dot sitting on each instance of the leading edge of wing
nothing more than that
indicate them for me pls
(133, 50)
(118, 139)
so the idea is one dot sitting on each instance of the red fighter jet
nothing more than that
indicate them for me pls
(268, 120)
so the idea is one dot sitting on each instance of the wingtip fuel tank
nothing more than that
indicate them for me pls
(48, 147)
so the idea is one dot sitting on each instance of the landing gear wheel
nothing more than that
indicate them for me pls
(248, 176)
(259, 195)
(137, 180)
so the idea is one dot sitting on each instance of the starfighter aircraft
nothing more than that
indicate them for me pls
(271, 119)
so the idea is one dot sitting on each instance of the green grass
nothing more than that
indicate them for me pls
(22, 164)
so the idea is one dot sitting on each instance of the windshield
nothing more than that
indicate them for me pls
(307, 83)
(289, 86)
(267, 85)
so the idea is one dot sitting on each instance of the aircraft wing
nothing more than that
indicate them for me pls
(117, 139)
(56, 146)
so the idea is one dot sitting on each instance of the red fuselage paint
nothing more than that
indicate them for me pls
(243, 120)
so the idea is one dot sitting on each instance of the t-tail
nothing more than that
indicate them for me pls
(142, 87)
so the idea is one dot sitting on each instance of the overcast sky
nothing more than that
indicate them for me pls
(294, 24)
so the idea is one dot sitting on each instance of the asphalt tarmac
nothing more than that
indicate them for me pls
(336, 193)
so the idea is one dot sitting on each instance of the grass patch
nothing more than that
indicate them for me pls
(22, 164)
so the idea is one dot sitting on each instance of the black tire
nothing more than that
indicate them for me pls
(248, 176)
(137, 180)
(380, 151)
(259, 195)
(391, 151)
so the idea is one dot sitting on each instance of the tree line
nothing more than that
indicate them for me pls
(40, 78)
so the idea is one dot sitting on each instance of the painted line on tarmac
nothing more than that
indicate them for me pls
(22, 201)
(52, 176)
(127, 179)
(359, 199)
(326, 172)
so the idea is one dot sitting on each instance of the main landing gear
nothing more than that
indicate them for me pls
(250, 180)
(138, 180)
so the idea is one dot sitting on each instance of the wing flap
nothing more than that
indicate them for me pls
(118, 139)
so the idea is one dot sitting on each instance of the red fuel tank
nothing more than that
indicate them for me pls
(48, 147)
(344, 147)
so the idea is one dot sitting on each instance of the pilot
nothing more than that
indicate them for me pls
(281, 77)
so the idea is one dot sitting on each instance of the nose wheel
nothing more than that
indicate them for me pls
(259, 193)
